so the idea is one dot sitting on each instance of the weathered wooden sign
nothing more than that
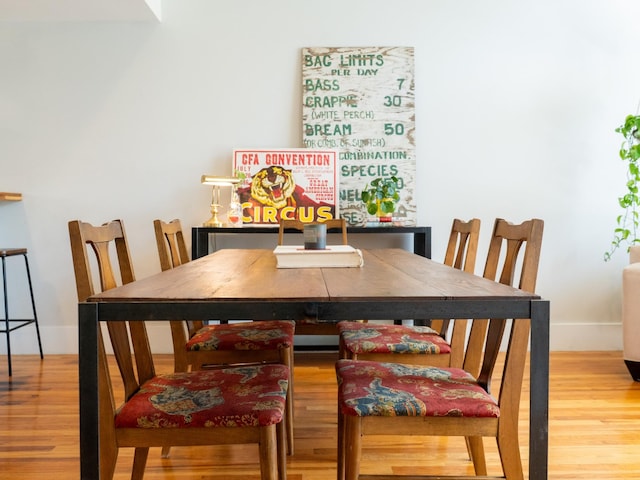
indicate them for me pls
(360, 102)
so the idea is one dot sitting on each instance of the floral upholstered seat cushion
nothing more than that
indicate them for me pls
(361, 338)
(388, 389)
(267, 335)
(248, 396)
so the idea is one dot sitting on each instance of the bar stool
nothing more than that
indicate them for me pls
(12, 324)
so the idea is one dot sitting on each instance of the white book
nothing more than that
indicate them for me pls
(295, 256)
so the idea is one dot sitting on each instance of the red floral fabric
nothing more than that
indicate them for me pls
(267, 335)
(362, 338)
(230, 397)
(387, 389)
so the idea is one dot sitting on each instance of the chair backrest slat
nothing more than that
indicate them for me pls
(172, 249)
(463, 245)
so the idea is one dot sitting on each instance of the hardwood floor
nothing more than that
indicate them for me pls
(594, 427)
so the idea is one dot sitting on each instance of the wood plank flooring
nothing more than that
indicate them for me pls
(594, 427)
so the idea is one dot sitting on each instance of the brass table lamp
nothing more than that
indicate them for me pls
(216, 182)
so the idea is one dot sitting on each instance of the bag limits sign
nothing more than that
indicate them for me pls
(360, 102)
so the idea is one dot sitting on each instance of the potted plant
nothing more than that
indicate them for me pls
(626, 232)
(380, 197)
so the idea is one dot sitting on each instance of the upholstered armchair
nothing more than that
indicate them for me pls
(631, 313)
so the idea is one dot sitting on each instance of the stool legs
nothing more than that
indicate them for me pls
(24, 322)
(7, 330)
(33, 306)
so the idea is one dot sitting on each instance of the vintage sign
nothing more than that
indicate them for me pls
(360, 101)
(287, 183)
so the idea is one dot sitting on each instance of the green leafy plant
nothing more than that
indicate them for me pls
(626, 232)
(381, 194)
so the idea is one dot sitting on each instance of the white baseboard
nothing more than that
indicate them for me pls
(586, 337)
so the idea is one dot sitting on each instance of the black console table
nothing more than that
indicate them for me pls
(200, 236)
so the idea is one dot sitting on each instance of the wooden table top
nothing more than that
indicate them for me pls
(233, 275)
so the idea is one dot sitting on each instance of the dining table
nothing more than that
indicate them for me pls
(246, 284)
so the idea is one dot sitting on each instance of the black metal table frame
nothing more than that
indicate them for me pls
(200, 236)
(91, 314)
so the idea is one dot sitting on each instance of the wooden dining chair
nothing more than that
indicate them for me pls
(310, 326)
(207, 407)
(384, 398)
(418, 344)
(197, 345)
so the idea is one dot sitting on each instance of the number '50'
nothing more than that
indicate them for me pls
(393, 129)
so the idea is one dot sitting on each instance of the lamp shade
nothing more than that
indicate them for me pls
(219, 181)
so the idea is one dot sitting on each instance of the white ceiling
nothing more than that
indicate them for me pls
(80, 10)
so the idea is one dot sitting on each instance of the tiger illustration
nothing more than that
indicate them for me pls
(273, 186)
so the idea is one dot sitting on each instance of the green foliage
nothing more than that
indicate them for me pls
(626, 231)
(382, 194)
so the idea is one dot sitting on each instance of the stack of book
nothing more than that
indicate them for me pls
(295, 256)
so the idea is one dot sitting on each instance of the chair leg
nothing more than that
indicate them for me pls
(268, 453)
(352, 446)
(108, 459)
(341, 434)
(469, 452)
(139, 463)
(281, 438)
(343, 352)
(286, 357)
(509, 449)
(476, 450)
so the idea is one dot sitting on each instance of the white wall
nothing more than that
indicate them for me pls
(516, 108)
